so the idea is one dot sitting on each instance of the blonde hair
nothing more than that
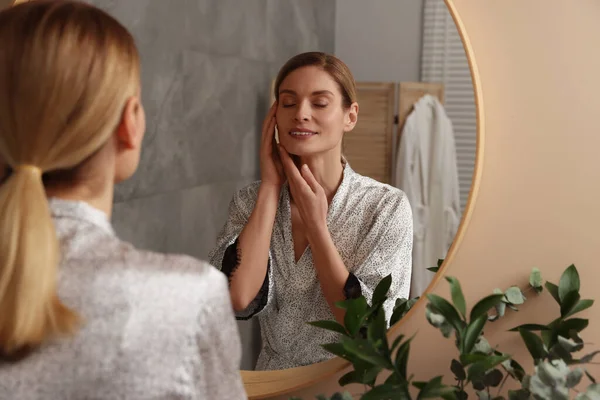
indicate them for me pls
(66, 72)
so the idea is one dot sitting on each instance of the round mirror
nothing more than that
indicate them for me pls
(382, 112)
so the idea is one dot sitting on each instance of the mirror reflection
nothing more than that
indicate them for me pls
(305, 149)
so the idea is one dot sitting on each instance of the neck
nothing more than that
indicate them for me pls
(97, 194)
(327, 168)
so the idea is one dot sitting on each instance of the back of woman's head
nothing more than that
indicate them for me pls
(66, 72)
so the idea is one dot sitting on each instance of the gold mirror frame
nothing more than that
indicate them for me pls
(533, 222)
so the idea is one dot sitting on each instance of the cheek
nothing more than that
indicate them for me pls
(332, 120)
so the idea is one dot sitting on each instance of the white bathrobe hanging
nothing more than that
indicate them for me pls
(426, 171)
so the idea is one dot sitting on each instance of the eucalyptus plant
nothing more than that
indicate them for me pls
(363, 342)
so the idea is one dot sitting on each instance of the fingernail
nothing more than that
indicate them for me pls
(305, 167)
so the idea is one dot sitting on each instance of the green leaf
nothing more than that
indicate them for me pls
(472, 333)
(355, 314)
(484, 305)
(569, 282)
(381, 290)
(574, 377)
(588, 358)
(553, 289)
(401, 362)
(535, 280)
(589, 376)
(388, 392)
(350, 377)
(493, 378)
(592, 393)
(363, 376)
(377, 332)
(569, 344)
(580, 306)
(396, 342)
(514, 295)
(401, 308)
(482, 346)
(365, 350)
(330, 326)
(458, 299)
(478, 369)
(512, 307)
(521, 394)
(514, 369)
(530, 327)
(447, 310)
(568, 303)
(468, 359)
(339, 350)
(500, 310)
(342, 396)
(436, 268)
(458, 370)
(573, 324)
(534, 344)
(435, 389)
(483, 395)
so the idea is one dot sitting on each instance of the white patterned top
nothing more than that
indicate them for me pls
(371, 226)
(155, 326)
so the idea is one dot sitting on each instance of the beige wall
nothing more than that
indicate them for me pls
(540, 178)
(380, 40)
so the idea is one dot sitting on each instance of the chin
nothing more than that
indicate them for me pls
(300, 149)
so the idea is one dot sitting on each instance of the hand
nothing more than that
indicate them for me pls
(271, 170)
(308, 195)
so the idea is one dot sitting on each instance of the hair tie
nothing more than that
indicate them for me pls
(32, 169)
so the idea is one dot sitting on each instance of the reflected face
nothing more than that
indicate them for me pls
(310, 116)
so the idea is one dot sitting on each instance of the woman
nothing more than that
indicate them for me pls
(108, 320)
(312, 231)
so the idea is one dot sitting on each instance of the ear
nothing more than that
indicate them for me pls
(351, 117)
(129, 131)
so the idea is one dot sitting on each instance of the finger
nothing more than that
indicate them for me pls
(310, 179)
(294, 176)
(289, 167)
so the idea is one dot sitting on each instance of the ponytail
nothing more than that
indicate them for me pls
(67, 69)
(30, 311)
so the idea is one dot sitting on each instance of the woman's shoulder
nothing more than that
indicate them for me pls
(375, 191)
(176, 275)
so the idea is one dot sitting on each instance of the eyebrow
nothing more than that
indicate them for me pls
(316, 93)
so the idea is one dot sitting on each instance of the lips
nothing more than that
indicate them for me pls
(302, 133)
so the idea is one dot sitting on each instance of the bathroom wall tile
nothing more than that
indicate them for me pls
(183, 221)
(152, 223)
(206, 127)
(324, 11)
(291, 29)
(239, 28)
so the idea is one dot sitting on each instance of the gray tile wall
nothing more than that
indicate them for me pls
(206, 71)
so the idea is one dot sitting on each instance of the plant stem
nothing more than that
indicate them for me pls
(502, 383)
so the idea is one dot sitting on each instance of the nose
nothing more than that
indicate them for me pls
(302, 112)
